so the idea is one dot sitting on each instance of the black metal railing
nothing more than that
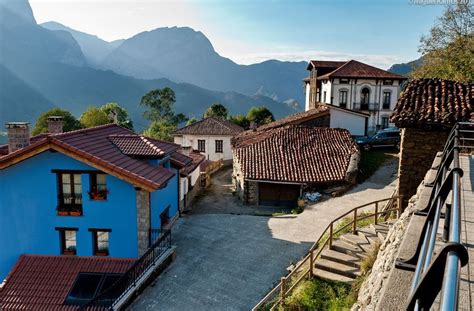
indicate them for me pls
(440, 270)
(129, 280)
(155, 234)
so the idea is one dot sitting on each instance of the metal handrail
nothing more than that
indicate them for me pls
(109, 298)
(325, 239)
(441, 272)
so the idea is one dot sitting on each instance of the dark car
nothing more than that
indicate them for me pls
(389, 137)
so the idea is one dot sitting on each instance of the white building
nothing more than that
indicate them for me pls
(210, 136)
(354, 86)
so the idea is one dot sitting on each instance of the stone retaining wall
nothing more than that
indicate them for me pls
(418, 148)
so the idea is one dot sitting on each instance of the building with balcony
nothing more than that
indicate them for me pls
(97, 192)
(355, 86)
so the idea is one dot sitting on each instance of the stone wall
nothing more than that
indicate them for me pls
(245, 189)
(251, 193)
(324, 121)
(418, 148)
(143, 220)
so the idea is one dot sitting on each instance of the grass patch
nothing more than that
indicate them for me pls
(319, 294)
(370, 161)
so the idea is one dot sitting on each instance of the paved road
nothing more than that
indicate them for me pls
(228, 261)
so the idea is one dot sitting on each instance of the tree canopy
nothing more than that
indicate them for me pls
(260, 115)
(448, 50)
(119, 114)
(70, 122)
(191, 121)
(94, 116)
(217, 110)
(240, 120)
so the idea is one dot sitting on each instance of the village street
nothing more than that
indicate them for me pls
(228, 258)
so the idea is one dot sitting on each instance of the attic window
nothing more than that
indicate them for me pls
(89, 285)
(387, 82)
(344, 81)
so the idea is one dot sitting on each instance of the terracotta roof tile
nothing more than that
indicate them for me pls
(296, 154)
(95, 144)
(297, 118)
(43, 282)
(210, 126)
(355, 69)
(434, 103)
(181, 159)
(197, 159)
(325, 64)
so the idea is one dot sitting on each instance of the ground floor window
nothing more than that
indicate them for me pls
(68, 240)
(384, 122)
(100, 240)
(165, 217)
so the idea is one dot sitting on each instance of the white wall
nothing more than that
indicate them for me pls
(326, 87)
(354, 123)
(183, 182)
(192, 140)
(306, 101)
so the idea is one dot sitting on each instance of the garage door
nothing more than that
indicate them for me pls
(278, 194)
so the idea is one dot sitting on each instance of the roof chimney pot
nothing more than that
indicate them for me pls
(55, 124)
(18, 135)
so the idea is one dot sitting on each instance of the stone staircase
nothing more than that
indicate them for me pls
(342, 261)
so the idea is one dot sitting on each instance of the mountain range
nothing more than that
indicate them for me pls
(43, 67)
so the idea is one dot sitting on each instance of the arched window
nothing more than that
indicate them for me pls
(364, 98)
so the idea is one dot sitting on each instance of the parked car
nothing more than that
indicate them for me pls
(389, 137)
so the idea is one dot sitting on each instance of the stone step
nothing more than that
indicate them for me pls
(337, 268)
(381, 230)
(347, 248)
(354, 239)
(369, 234)
(323, 274)
(340, 257)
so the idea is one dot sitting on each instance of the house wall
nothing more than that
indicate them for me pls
(326, 86)
(418, 149)
(164, 198)
(28, 216)
(354, 123)
(307, 92)
(192, 141)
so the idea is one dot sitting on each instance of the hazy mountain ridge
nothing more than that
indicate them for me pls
(404, 69)
(57, 74)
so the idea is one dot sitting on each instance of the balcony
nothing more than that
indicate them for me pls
(70, 204)
(366, 106)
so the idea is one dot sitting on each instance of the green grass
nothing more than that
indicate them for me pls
(370, 161)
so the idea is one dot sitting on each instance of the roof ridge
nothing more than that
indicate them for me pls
(338, 68)
(150, 144)
(89, 129)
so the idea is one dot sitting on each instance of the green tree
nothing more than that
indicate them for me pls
(191, 121)
(159, 103)
(260, 115)
(240, 120)
(160, 112)
(70, 122)
(448, 50)
(94, 117)
(114, 110)
(216, 110)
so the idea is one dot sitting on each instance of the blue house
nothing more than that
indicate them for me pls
(103, 191)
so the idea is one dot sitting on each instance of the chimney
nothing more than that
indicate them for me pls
(55, 124)
(18, 135)
(253, 125)
(186, 150)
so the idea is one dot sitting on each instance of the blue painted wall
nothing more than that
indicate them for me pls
(163, 198)
(28, 217)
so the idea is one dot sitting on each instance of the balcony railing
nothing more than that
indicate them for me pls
(436, 270)
(155, 234)
(70, 204)
(366, 106)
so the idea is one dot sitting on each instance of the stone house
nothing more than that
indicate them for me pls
(356, 86)
(425, 113)
(273, 166)
(210, 136)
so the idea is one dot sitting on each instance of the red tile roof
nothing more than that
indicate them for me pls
(434, 103)
(210, 126)
(197, 159)
(134, 145)
(296, 154)
(298, 118)
(95, 147)
(180, 159)
(324, 64)
(355, 69)
(43, 282)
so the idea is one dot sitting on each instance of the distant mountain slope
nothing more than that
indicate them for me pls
(94, 49)
(40, 68)
(185, 55)
(405, 68)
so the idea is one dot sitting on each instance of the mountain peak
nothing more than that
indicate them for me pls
(20, 8)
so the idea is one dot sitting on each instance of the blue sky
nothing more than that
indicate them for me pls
(378, 32)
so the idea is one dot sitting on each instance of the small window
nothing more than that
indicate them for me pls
(68, 240)
(387, 82)
(69, 194)
(165, 217)
(201, 145)
(98, 187)
(385, 125)
(100, 239)
(343, 99)
(344, 81)
(386, 100)
(219, 146)
(324, 96)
